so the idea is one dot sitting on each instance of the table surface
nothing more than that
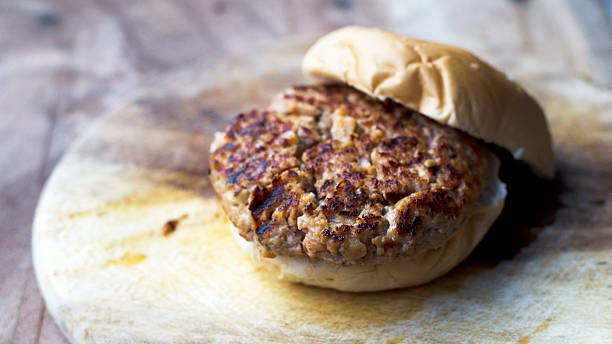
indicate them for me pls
(64, 63)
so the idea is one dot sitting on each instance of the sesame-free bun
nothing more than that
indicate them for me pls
(445, 83)
(398, 273)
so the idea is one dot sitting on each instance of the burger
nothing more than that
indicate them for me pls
(381, 174)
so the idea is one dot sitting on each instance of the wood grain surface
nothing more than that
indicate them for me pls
(64, 63)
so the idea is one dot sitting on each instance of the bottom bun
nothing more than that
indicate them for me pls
(400, 273)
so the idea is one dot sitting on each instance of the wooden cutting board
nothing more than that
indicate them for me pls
(130, 244)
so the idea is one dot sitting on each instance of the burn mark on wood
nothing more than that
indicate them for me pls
(171, 225)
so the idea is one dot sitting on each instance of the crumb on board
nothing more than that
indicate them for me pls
(171, 225)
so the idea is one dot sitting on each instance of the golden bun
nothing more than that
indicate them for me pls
(445, 83)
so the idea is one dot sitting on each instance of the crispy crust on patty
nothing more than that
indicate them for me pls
(334, 174)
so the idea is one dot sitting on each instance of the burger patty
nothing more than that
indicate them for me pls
(334, 174)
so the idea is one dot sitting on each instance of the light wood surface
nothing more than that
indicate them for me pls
(109, 274)
(64, 63)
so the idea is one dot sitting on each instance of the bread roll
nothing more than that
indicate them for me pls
(445, 83)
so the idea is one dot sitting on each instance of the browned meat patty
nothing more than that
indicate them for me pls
(334, 174)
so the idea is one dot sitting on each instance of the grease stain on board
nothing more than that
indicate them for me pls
(527, 339)
(143, 198)
(127, 259)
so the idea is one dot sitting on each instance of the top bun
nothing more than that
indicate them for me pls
(445, 83)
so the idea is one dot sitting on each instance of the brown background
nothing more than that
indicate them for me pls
(64, 63)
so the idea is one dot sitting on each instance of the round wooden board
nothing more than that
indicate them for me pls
(112, 271)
